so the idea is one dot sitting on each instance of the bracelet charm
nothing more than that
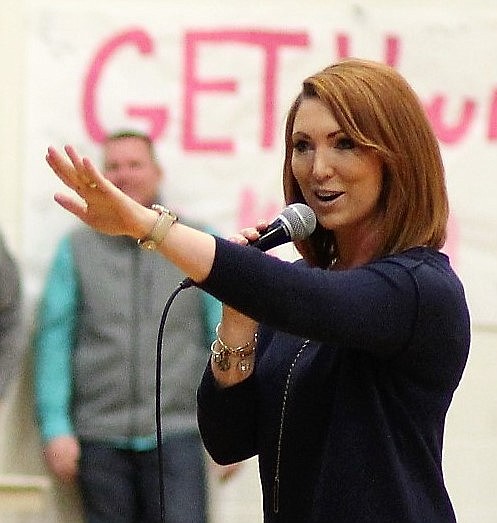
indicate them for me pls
(221, 358)
(221, 353)
(244, 366)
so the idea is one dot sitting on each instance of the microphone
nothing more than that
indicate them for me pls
(296, 222)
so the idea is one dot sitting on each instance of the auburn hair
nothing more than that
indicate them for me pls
(378, 109)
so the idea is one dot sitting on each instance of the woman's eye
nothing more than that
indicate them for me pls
(301, 146)
(344, 142)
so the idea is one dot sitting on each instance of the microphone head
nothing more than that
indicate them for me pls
(299, 220)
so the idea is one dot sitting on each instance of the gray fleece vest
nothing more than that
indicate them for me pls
(123, 290)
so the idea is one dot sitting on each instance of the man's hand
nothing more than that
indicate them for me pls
(62, 456)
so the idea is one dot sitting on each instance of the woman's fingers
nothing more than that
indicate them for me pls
(77, 173)
(78, 208)
(238, 238)
(62, 168)
(262, 225)
(76, 161)
(88, 173)
(246, 235)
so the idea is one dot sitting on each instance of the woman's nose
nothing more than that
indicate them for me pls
(323, 164)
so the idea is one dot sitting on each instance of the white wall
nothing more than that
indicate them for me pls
(471, 435)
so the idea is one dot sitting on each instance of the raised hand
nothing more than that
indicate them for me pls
(101, 205)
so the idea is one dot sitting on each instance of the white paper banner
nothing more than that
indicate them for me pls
(212, 83)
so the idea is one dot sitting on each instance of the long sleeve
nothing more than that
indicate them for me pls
(53, 344)
(227, 417)
(345, 305)
(11, 339)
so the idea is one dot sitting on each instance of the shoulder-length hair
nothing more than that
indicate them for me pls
(377, 108)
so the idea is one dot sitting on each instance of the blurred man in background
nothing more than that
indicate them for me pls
(95, 356)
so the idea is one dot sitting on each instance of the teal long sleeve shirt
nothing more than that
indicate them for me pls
(54, 341)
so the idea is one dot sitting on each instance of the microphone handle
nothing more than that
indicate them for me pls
(276, 234)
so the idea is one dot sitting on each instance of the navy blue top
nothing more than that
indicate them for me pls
(361, 431)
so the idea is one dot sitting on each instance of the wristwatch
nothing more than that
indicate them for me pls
(161, 227)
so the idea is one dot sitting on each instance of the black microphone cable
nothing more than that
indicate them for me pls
(185, 284)
(296, 222)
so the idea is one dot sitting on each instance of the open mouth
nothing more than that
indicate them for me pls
(328, 196)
